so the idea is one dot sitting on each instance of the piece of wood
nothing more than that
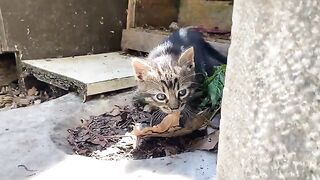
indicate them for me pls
(3, 37)
(208, 14)
(131, 14)
(139, 39)
(156, 13)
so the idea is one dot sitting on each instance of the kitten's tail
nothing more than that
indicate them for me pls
(212, 52)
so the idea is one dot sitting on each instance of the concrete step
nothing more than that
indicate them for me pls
(88, 75)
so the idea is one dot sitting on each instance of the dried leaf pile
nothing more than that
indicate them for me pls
(12, 97)
(108, 137)
(101, 132)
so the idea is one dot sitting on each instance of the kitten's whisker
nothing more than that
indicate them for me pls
(190, 111)
(156, 117)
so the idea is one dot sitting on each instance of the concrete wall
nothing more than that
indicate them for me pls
(45, 28)
(271, 106)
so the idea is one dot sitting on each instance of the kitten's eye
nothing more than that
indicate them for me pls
(182, 92)
(161, 96)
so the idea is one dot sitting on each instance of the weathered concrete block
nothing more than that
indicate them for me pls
(88, 75)
(271, 106)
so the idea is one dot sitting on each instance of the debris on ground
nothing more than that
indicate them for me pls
(101, 132)
(12, 97)
(108, 137)
(126, 132)
(174, 26)
(207, 142)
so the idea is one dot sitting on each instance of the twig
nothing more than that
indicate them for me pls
(27, 169)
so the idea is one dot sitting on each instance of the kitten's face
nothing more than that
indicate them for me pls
(165, 83)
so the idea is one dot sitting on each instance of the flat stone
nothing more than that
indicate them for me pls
(35, 137)
(90, 74)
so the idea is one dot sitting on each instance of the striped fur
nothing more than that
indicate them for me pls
(174, 67)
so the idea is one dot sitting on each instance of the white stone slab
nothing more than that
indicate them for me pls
(100, 72)
(35, 137)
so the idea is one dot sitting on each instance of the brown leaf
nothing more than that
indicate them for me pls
(114, 112)
(95, 141)
(205, 143)
(171, 120)
(197, 122)
(85, 137)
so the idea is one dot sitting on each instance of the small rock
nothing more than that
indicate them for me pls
(174, 26)
(114, 112)
(147, 108)
(210, 130)
(215, 122)
(24, 102)
(38, 101)
(33, 91)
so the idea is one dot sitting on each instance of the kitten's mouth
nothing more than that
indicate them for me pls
(169, 111)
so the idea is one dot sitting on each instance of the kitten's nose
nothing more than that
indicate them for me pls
(174, 106)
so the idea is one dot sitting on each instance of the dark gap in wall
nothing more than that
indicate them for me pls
(8, 70)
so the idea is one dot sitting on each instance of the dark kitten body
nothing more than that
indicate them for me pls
(205, 56)
(170, 78)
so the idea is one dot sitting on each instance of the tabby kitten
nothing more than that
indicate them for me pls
(170, 78)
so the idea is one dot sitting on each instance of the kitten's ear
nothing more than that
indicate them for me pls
(141, 68)
(187, 58)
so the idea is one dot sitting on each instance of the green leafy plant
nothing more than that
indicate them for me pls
(213, 87)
